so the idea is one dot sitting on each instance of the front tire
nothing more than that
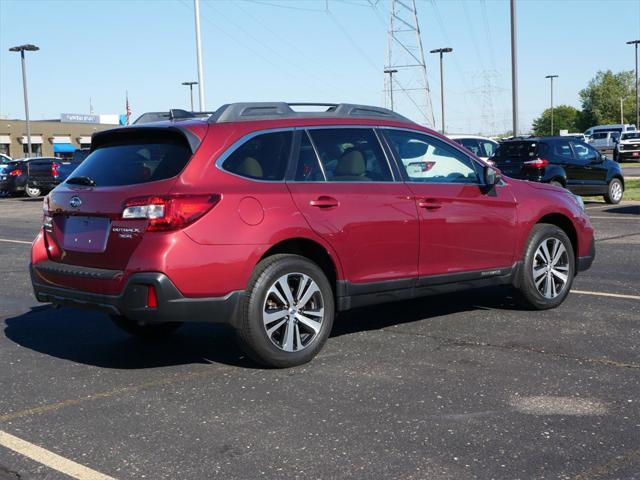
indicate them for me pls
(32, 192)
(149, 330)
(545, 278)
(615, 191)
(288, 311)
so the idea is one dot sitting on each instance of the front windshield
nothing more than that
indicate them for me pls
(629, 136)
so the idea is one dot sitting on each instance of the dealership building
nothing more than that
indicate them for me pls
(49, 138)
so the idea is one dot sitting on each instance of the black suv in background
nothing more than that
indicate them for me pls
(561, 161)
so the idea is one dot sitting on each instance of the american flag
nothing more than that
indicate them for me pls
(128, 108)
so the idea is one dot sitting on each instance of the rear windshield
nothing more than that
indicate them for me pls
(519, 150)
(134, 162)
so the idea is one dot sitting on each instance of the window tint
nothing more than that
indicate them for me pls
(263, 157)
(520, 151)
(351, 155)
(562, 150)
(308, 168)
(471, 144)
(132, 163)
(429, 160)
(488, 147)
(584, 153)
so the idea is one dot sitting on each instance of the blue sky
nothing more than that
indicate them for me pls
(296, 50)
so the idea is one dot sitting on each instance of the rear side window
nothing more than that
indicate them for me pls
(562, 150)
(135, 161)
(351, 155)
(520, 151)
(472, 145)
(263, 157)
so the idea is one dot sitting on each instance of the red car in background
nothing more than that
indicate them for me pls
(272, 220)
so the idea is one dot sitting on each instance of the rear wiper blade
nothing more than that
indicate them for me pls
(88, 181)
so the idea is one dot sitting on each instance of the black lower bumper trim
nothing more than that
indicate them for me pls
(132, 302)
(584, 263)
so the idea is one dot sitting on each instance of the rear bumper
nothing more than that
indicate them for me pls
(43, 183)
(10, 185)
(630, 155)
(172, 306)
(584, 263)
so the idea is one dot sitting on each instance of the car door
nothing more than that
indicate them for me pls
(560, 153)
(463, 227)
(592, 168)
(345, 187)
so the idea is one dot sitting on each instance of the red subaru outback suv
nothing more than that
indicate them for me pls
(272, 220)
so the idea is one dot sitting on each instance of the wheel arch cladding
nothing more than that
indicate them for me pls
(565, 224)
(311, 250)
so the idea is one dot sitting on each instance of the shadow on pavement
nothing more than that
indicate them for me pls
(625, 210)
(90, 338)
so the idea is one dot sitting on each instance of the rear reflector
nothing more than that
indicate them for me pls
(538, 163)
(169, 212)
(152, 299)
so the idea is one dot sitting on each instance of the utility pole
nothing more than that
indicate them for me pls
(196, 7)
(390, 71)
(551, 77)
(190, 85)
(22, 49)
(442, 51)
(636, 42)
(514, 69)
(621, 111)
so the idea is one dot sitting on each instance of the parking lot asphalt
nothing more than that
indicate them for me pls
(458, 386)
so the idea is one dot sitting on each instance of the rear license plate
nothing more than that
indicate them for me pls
(86, 234)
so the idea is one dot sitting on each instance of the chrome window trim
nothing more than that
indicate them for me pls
(456, 147)
(374, 128)
(244, 139)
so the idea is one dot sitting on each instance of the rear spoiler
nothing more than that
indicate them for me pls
(133, 134)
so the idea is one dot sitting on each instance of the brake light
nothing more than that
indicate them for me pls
(15, 173)
(54, 169)
(169, 212)
(538, 163)
(426, 166)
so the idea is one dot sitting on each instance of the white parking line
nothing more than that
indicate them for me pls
(14, 241)
(605, 294)
(50, 459)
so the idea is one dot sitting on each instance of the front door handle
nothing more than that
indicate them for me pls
(324, 202)
(429, 203)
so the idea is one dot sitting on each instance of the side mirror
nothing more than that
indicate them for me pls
(491, 176)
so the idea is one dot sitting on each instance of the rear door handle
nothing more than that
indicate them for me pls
(324, 202)
(429, 203)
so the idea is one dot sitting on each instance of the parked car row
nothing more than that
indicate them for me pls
(38, 175)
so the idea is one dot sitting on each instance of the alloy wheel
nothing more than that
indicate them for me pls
(616, 191)
(293, 312)
(551, 268)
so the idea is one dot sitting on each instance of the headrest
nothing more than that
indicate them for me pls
(250, 167)
(351, 164)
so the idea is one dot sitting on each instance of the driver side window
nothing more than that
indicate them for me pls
(428, 160)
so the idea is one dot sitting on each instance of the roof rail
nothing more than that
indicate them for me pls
(236, 112)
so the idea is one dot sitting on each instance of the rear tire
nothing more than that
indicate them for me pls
(149, 330)
(556, 183)
(288, 311)
(615, 191)
(32, 192)
(545, 277)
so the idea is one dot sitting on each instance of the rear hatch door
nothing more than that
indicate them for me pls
(511, 156)
(86, 227)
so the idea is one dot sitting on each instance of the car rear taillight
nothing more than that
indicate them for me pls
(15, 173)
(169, 212)
(537, 164)
(54, 169)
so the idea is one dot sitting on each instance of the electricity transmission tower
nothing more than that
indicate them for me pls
(406, 55)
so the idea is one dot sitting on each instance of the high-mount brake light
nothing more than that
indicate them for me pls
(54, 170)
(15, 173)
(169, 212)
(538, 163)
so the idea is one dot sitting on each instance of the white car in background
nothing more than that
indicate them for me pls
(482, 147)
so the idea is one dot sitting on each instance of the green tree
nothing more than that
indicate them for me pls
(565, 117)
(601, 99)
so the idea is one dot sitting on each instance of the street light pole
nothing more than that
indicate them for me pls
(390, 71)
(636, 42)
(196, 7)
(514, 69)
(22, 49)
(551, 77)
(442, 51)
(190, 85)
